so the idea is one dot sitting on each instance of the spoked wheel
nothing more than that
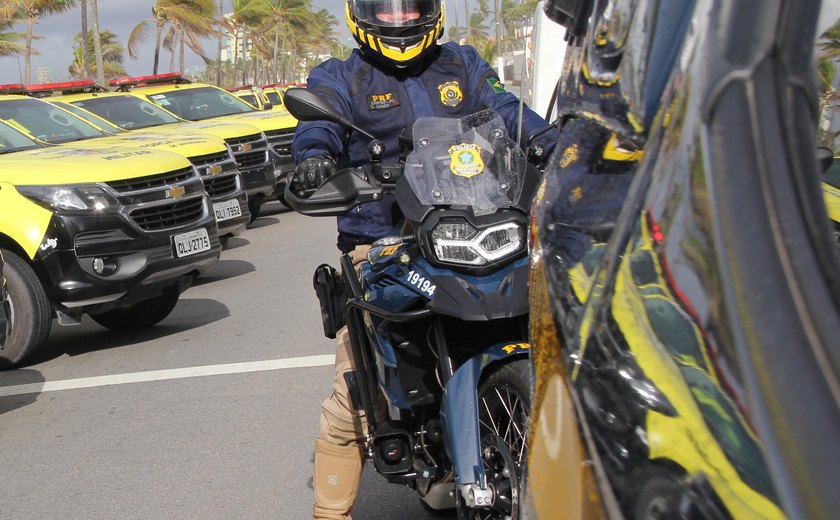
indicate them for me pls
(504, 401)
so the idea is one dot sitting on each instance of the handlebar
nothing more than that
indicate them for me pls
(345, 190)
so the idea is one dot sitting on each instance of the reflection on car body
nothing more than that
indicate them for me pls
(685, 294)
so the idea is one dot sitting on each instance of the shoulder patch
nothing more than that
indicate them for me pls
(383, 101)
(497, 86)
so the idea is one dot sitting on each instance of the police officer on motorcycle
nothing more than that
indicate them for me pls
(399, 73)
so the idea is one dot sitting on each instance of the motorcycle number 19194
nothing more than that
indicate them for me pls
(421, 283)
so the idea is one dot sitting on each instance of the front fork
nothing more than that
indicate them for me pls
(459, 415)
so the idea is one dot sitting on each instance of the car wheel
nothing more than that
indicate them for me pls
(254, 205)
(140, 315)
(31, 315)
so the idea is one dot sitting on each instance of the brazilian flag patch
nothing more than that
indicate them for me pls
(497, 86)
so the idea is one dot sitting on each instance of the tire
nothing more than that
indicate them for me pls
(31, 314)
(142, 314)
(254, 205)
(504, 400)
(657, 498)
(224, 241)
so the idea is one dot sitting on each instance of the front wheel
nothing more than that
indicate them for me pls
(30, 311)
(504, 400)
(140, 315)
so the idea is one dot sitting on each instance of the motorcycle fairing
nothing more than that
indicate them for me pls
(459, 412)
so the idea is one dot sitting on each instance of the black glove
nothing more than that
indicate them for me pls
(311, 173)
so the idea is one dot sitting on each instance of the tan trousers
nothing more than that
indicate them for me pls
(338, 449)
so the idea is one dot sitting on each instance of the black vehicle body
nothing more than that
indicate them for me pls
(685, 286)
(438, 317)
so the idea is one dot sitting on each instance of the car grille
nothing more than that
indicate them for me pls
(151, 182)
(217, 186)
(254, 156)
(281, 142)
(210, 159)
(251, 159)
(172, 214)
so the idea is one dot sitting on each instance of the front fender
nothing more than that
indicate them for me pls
(459, 412)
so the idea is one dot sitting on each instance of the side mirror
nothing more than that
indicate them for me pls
(571, 14)
(305, 105)
(825, 158)
(267, 105)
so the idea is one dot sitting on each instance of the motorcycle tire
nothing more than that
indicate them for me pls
(31, 315)
(504, 399)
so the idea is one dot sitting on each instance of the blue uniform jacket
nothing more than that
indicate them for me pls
(454, 83)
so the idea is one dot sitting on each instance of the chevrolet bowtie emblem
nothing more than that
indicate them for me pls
(214, 169)
(175, 192)
(245, 147)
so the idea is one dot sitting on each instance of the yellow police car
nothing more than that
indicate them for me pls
(207, 153)
(247, 144)
(201, 102)
(101, 229)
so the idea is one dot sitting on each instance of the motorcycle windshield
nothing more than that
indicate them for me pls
(469, 161)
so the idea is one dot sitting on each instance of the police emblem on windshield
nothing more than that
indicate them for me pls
(383, 101)
(450, 93)
(466, 160)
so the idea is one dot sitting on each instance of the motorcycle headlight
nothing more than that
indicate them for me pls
(70, 198)
(458, 242)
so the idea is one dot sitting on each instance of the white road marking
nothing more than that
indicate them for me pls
(162, 375)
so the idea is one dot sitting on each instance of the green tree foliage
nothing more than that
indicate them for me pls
(112, 56)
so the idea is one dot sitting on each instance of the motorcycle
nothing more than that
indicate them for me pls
(437, 317)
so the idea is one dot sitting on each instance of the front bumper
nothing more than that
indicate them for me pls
(146, 261)
(259, 181)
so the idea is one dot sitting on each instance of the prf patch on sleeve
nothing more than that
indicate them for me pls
(383, 101)
(497, 86)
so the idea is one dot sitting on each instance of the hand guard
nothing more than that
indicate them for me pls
(311, 173)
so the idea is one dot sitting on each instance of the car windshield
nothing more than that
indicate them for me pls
(469, 161)
(127, 112)
(12, 140)
(47, 122)
(201, 103)
(89, 117)
(274, 97)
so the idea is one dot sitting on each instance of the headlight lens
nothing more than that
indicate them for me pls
(458, 242)
(68, 198)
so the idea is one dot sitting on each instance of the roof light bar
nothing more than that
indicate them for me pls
(65, 87)
(240, 87)
(153, 79)
(13, 88)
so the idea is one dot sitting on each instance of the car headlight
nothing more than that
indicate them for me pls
(458, 242)
(68, 198)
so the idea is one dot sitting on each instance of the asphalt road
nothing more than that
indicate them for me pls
(210, 414)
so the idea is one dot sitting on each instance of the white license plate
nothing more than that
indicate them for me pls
(227, 209)
(190, 243)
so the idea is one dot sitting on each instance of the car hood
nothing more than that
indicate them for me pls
(94, 163)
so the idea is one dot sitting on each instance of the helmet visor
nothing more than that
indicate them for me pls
(395, 13)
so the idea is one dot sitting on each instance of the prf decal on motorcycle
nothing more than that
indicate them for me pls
(421, 283)
(513, 347)
(466, 160)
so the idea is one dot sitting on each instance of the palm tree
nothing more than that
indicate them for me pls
(192, 17)
(10, 16)
(34, 9)
(286, 17)
(112, 55)
(85, 67)
(97, 43)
